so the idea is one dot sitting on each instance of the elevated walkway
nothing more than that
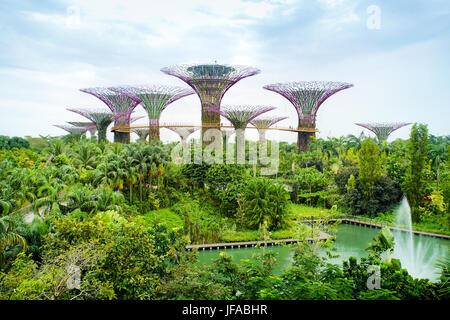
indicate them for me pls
(181, 125)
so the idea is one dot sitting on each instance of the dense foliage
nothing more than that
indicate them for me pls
(81, 220)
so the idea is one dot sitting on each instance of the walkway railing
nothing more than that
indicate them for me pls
(205, 125)
(371, 222)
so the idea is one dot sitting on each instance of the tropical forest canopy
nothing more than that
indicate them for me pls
(122, 216)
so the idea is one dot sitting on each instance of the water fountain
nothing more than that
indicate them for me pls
(418, 257)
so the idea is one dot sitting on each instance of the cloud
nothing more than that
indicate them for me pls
(51, 49)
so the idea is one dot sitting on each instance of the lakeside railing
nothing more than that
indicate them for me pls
(372, 222)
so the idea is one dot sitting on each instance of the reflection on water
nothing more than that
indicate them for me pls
(351, 240)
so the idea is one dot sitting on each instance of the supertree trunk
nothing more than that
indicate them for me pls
(304, 138)
(122, 137)
(262, 146)
(210, 120)
(240, 146)
(153, 130)
(101, 134)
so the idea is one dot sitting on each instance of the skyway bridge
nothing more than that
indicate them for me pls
(206, 125)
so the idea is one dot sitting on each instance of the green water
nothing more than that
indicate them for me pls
(351, 240)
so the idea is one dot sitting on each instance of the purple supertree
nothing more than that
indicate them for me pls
(101, 118)
(240, 117)
(383, 130)
(120, 105)
(154, 99)
(262, 124)
(307, 97)
(76, 131)
(88, 125)
(210, 82)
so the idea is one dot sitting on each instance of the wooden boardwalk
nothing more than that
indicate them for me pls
(322, 237)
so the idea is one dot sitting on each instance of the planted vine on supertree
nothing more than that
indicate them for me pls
(120, 105)
(101, 118)
(307, 97)
(383, 130)
(210, 82)
(154, 99)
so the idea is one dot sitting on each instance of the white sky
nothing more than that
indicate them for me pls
(401, 72)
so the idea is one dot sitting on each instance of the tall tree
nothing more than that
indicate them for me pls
(369, 167)
(415, 182)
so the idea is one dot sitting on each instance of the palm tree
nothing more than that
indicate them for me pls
(131, 178)
(9, 238)
(86, 155)
(7, 199)
(107, 199)
(49, 198)
(80, 197)
(115, 147)
(354, 142)
(55, 148)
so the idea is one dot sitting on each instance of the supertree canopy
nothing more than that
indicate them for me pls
(307, 97)
(183, 132)
(262, 124)
(88, 125)
(383, 130)
(101, 118)
(154, 99)
(210, 82)
(265, 123)
(240, 116)
(120, 105)
(72, 129)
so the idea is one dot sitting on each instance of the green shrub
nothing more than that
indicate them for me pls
(262, 200)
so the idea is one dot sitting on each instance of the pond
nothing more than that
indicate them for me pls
(352, 240)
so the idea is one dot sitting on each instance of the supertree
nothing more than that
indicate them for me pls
(183, 132)
(120, 105)
(88, 125)
(307, 97)
(142, 134)
(210, 82)
(101, 118)
(240, 116)
(383, 130)
(262, 124)
(92, 128)
(154, 99)
(76, 131)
